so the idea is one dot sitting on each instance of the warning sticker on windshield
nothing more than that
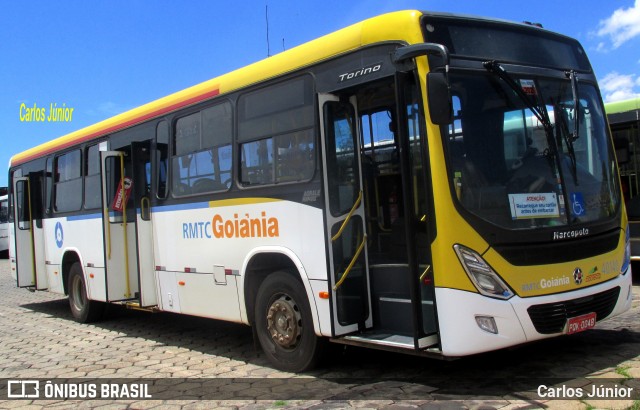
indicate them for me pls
(528, 86)
(526, 206)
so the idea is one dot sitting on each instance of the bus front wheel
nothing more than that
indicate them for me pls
(82, 309)
(284, 325)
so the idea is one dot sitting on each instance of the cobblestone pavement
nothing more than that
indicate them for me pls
(39, 340)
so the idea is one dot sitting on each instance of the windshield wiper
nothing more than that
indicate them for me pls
(576, 124)
(576, 104)
(539, 110)
(563, 131)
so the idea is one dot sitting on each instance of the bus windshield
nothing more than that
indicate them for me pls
(507, 169)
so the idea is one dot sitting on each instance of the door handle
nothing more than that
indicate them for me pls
(145, 209)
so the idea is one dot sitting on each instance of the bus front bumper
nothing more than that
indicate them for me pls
(460, 314)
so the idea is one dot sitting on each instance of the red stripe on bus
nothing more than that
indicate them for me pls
(121, 126)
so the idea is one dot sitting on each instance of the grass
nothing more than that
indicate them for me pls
(622, 371)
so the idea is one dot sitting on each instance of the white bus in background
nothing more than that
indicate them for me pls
(4, 225)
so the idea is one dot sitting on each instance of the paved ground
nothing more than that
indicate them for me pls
(194, 363)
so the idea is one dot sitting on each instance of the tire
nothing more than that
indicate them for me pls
(82, 309)
(284, 325)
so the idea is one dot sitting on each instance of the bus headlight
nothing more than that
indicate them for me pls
(626, 260)
(481, 274)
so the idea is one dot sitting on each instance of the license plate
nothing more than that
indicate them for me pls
(580, 323)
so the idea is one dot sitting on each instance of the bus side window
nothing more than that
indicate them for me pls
(92, 184)
(276, 133)
(22, 206)
(12, 175)
(68, 181)
(201, 161)
(342, 165)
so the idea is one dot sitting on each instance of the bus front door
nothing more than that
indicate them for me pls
(345, 216)
(119, 226)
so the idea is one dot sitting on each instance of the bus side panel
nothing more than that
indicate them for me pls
(54, 235)
(83, 236)
(197, 239)
(96, 279)
(91, 246)
(185, 257)
(195, 295)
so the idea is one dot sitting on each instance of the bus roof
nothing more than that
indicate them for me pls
(622, 106)
(387, 27)
(623, 112)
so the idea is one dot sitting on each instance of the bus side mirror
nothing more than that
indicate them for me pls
(440, 105)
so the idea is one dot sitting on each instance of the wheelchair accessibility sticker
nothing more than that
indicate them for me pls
(577, 204)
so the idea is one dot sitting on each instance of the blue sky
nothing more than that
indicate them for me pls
(104, 57)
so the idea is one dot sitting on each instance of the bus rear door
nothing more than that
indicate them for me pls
(28, 205)
(142, 175)
(119, 225)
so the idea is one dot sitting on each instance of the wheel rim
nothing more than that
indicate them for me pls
(77, 293)
(284, 322)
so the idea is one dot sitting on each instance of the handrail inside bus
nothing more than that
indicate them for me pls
(349, 215)
(120, 156)
(124, 224)
(353, 262)
(33, 253)
(424, 274)
(108, 233)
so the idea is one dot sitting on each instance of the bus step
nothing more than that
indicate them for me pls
(384, 339)
(428, 345)
(136, 306)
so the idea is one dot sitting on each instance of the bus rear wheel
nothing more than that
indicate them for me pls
(284, 325)
(82, 309)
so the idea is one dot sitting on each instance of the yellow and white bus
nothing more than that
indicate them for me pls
(418, 182)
